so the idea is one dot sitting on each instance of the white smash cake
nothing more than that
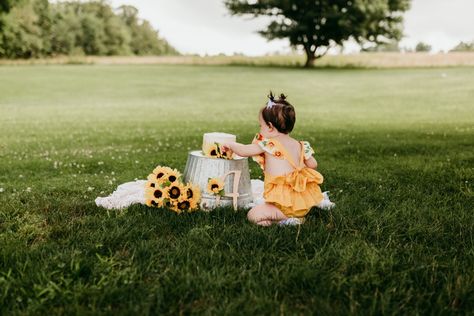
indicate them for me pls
(211, 145)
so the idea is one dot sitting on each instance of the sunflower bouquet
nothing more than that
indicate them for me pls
(214, 151)
(165, 189)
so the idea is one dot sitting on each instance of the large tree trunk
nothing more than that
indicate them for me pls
(310, 56)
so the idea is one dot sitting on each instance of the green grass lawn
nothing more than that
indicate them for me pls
(395, 147)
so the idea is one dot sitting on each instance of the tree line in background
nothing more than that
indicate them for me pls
(421, 47)
(39, 28)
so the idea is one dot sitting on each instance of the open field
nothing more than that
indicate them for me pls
(364, 60)
(395, 147)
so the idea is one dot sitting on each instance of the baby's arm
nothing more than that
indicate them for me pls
(243, 150)
(311, 163)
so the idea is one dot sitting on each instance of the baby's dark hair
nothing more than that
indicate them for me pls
(281, 114)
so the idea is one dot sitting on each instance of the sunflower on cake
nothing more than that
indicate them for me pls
(212, 145)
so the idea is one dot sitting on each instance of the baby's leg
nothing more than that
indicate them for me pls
(265, 214)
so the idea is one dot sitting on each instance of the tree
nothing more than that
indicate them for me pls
(21, 34)
(144, 39)
(37, 28)
(316, 25)
(422, 47)
(463, 47)
(6, 5)
(392, 46)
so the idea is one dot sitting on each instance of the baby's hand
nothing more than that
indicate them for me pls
(226, 147)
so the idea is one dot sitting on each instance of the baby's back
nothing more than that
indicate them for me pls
(276, 166)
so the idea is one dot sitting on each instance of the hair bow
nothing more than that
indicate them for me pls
(270, 103)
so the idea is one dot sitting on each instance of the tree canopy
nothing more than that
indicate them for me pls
(5, 5)
(316, 25)
(422, 47)
(464, 47)
(391, 46)
(37, 28)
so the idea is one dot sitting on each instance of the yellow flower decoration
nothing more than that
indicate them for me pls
(153, 203)
(150, 184)
(212, 150)
(215, 186)
(160, 173)
(192, 194)
(164, 175)
(175, 191)
(164, 189)
(155, 196)
(172, 176)
(148, 202)
(226, 154)
(158, 193)
(183, 206)
(172, 205)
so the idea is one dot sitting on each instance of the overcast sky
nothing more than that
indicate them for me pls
(205, 26)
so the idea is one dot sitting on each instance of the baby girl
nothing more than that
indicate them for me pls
(291, 185)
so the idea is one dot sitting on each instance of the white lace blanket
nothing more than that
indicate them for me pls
(126, 194)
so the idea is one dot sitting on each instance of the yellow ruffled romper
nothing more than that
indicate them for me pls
(293, 193)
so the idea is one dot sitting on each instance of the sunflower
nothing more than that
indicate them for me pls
(172, 176)
(154, 202)
(175, 191)
(193, 192)
(160, 173)
(159, 193)
(193, 206)
(192, 195)
(151, 183)
(155, 196)
(226, 154)
(183, 206)
(215, 186)
(172, 205)
(212, 150)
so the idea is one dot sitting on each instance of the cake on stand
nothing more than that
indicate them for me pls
(233, 170)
